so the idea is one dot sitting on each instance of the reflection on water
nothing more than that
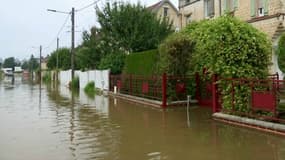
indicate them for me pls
(53, 123)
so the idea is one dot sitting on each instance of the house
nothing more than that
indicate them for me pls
(44, 61)
(165, 8)
(266, 15)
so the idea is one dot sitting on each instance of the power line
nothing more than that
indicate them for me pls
(87, 6)
(58, 33)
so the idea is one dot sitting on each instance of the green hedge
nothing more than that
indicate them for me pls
(141, 63)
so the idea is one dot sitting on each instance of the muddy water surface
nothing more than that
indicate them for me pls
(52, 123)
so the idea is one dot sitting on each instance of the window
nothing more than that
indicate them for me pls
(188, 19)
(229, 5)
(259, 8)
(209, 8)
(165, 11)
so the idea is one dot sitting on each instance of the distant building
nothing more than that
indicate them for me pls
(165, 9)
(18, 70)
(44, 63)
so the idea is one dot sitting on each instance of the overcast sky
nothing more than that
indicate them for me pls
(26, 24)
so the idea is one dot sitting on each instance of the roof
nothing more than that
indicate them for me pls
(155, 7)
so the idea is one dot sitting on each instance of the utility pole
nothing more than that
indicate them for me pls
(57, 45)
(72, 52)
(72, 43)
(40, 63)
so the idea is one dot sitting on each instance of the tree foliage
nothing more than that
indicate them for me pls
(232, 49)
(175, 54)
(90, 52)
(64, 59)
(9, 62)
(33, 63)
(131, 28)
(281, 53)
(114, 61)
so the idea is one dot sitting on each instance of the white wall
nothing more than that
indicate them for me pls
(100, 77)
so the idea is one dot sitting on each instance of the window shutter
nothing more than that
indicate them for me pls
(252, 8)
(265, 5)
(235, 4)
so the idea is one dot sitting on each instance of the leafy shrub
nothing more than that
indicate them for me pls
(74, 83)
(281, 53)
(174, 58)
(90, 88)
(175, 53)
(141, 63)
(230, 48)
(47, 77)
(114, 61)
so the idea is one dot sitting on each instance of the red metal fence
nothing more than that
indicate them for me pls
(164, 88)
(262, 97)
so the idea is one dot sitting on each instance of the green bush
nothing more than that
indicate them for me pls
(175, 54)
(230, 48)
(281, 53)
(90, 88)
(114, 61)
(74, 83)
(47, 77)
(141, 63)
(174, 58)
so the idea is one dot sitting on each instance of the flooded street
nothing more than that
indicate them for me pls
(52, 123)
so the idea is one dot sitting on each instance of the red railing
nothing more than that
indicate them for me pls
(164, 88)
(260, 96)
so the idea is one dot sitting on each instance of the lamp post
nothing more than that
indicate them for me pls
(72, 36)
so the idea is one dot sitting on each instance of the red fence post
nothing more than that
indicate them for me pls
(164, 90)
(197, 79)
(214, 94)
(131, 85)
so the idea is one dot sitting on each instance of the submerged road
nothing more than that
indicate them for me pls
(52, 123)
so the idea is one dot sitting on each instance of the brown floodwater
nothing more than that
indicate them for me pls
(52, 123)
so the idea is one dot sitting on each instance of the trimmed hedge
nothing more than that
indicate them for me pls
(141, 63)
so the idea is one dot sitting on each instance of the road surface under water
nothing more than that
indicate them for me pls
(52, 123)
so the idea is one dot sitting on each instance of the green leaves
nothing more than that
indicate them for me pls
(132, 28)
(281, 53)
(232, 49)
(63, 57)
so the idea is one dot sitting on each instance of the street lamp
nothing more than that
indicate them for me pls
(72, 36)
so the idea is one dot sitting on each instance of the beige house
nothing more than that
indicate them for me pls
(165, 8)
(266, 15)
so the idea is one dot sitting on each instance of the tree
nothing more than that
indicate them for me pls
(131, 28)
(25, 65)
(115, 62)
(64, 59)
(33, 64)
(9, 62)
